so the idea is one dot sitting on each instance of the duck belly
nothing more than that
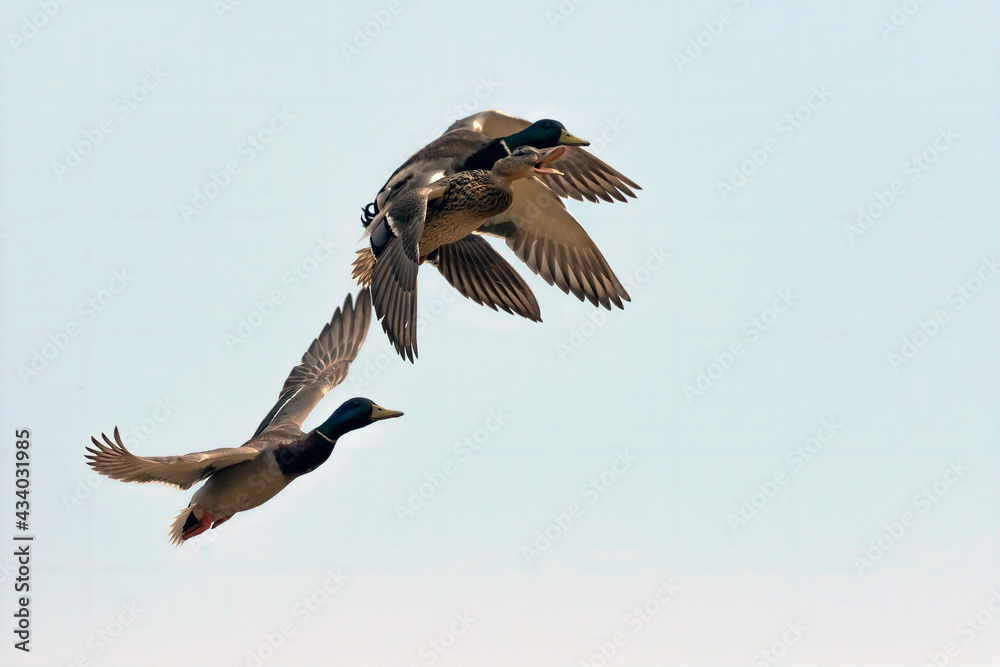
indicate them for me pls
(460, 215)
(241, 487)
(445, 230)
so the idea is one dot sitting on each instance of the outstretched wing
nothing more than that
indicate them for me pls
(324, 365)
(112, 459)
(395, 244)
(492, 123)
(478, 272)
(587, 177)
(543, 234)
(584, 175)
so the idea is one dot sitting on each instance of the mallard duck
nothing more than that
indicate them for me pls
(536, 225)
(415, 224)
(244, 477)
(479, 140)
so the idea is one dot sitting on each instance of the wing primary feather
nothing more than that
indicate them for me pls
(324, 365)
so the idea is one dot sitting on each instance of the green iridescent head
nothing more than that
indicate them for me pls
(545, 133)
(353, 414)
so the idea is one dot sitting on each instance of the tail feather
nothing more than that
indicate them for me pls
(364, 267)
(184, 520)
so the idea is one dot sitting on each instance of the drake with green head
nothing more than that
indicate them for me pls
(418, 223)
(535, 225)
(545, 133)
(479, 140)
(244, 477)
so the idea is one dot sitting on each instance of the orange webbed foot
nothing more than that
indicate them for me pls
(200, 527)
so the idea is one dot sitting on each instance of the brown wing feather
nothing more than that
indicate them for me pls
(323, 366)
(543, 234)
(479, 273)
(181, 472)
(585, 175)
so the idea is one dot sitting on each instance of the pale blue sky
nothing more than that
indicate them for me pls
(835, 110)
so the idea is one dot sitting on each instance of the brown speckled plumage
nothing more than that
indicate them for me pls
(469, 198)
(535, 225)
(420, 221)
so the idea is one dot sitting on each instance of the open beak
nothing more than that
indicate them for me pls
(540, 167)
(567, 139)
(379, 413)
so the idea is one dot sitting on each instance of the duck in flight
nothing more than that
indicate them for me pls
(415, 224)
(536, 224)
(244, 477)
